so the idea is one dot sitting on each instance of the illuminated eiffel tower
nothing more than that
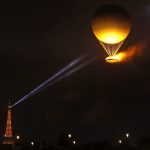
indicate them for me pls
(8, 138)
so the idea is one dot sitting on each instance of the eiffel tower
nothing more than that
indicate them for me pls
(8, 138)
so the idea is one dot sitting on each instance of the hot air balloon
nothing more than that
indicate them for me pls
(111, 25)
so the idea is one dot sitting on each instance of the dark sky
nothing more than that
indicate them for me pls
(101, 100)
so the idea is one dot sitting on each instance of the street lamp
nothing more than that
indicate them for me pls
(127, 135)
(32, 143)
(120, 141)
(17, 137)
(74, 142)
(69, 135)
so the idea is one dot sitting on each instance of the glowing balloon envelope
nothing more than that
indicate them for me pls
(111, 25)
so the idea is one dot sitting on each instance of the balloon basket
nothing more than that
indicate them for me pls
(112, 60)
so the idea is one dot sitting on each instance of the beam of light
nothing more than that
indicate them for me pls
(72, 71)
(57, 76)
(128, 54)
(59, 73)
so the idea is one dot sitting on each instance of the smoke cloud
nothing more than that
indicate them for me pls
(131, 52)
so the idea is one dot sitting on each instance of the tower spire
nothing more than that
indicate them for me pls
(8, 137)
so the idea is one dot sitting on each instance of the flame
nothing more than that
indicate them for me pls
(128, 54)
(116, 58)
(112, 36)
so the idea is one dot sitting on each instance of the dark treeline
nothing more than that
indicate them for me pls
(70, 143)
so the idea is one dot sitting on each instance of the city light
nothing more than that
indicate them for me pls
(127, 135)
(17, 137)
(120, 141)
(74, 142)
(32, 143)
(69, 135)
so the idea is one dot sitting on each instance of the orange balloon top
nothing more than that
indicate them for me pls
(111, 24)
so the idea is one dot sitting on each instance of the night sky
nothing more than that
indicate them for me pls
(101, 100)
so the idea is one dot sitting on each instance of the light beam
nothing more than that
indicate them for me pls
(70, 65)
(56, 77)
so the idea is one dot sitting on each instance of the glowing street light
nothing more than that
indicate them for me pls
(74, 142)
(69, 135)
(17, 137)
(119, 141)
(127, 135)
(32, 143)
